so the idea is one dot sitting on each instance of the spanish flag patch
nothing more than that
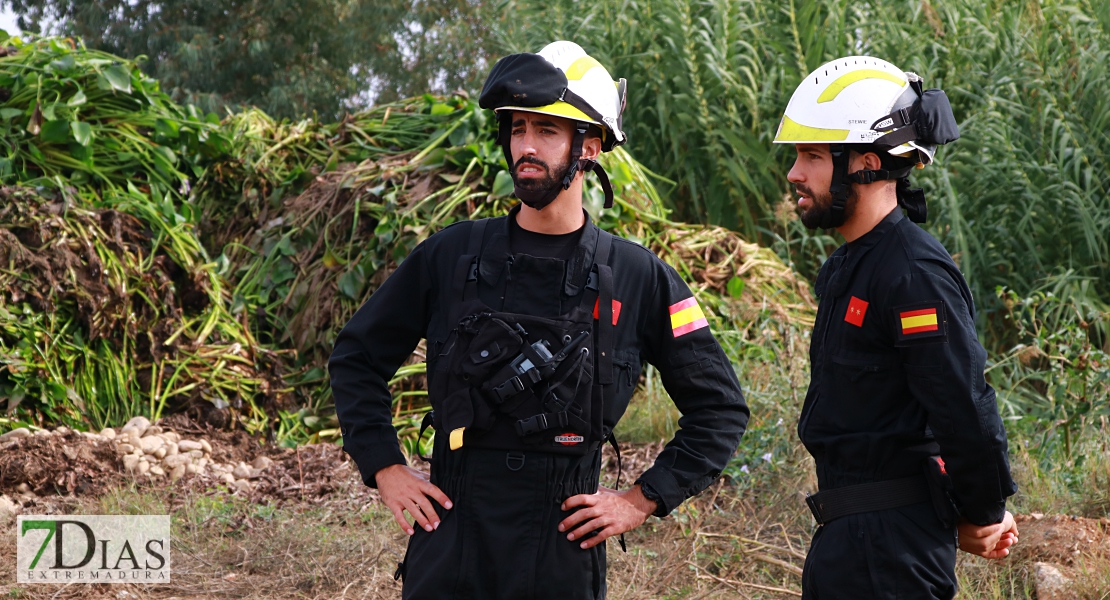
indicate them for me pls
(922, 321)
(686, 316)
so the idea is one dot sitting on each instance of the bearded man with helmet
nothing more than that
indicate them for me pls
(909, 448)
(537, 326)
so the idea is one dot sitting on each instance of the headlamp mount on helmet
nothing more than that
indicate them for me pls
(530, 81)
(927, 121)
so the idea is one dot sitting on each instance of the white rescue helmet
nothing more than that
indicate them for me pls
(850, 100)
(560, 80)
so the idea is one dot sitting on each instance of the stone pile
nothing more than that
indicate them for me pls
(148, 451)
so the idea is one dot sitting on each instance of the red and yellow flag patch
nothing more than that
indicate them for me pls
(923, 321)
(919, 321)
(686, 316)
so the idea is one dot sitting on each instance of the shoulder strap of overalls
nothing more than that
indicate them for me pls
(605, 328)
(464, 281)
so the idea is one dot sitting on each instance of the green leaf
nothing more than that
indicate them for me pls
(82, 132)
(166, 128)
(119, 78)
(735, 287)
(502, 185)
(352, 282)
(10, 113)
(66, 63)
(440, 108)
(167, 154)
(48, 113)
(78, 99)
(55, 131)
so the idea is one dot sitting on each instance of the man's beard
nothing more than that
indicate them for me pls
(538, 192)
(820, 215)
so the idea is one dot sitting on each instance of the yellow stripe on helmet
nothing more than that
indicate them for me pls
(791, 131)
(579, 67)
(848, 79)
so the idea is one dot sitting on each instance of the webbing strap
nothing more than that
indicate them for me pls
(867, 497)
(424, 425)
(605, 330)
(477, 233)
(466, 274)
(612, 439)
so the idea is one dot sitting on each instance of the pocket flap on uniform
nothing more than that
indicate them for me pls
(490, 352)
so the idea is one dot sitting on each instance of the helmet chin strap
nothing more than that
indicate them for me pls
(913, 200)
(539, 199)
(838, 188)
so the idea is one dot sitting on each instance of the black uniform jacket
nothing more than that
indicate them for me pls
(897, 372)
(413, 304)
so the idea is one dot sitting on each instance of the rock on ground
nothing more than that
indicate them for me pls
(1050, 582)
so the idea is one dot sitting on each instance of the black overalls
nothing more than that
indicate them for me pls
(501, 539)
(897, 376)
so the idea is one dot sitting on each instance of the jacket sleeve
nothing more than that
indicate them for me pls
(703, 385)
(930, 315)
(371, 347)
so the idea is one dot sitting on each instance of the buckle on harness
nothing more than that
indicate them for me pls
(514, 458)
(533, 424)
(540, 422)
(510, 388)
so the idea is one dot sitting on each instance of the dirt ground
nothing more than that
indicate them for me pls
(305, 526)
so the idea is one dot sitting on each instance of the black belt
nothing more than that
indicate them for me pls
(867, 497)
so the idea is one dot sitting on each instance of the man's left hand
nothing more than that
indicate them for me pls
(608, 512)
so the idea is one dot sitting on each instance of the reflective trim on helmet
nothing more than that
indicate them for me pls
(558, 109)
(579, 67)
(830, 93)
(792, 132)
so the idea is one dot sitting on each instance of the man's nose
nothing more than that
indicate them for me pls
(528, 143)
(795, 174)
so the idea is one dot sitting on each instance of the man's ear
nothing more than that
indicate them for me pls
(867, 161)
(591, 147)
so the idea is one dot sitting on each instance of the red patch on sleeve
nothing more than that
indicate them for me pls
(856, 310)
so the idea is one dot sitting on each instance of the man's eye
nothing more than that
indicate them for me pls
(518, 132)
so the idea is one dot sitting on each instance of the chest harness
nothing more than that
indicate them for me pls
(516, 382)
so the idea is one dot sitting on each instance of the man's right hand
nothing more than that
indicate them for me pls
(404, 488)
(989, 541)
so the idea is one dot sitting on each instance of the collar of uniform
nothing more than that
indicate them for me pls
(857, 249)
(496, 254)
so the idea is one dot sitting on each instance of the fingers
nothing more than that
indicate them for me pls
(421, 509)
(595, 523)
(580, 500)
(399, 516)
(437, 494)
(577, 517)
(601, 536)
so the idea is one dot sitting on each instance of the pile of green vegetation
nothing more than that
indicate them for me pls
(161, 260)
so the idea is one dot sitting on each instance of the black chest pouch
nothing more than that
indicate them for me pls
(510, 381)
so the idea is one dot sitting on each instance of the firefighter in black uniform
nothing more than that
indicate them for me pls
(909, 448)
(537, 327)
